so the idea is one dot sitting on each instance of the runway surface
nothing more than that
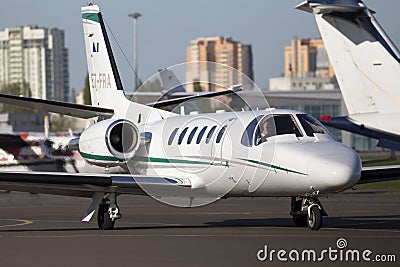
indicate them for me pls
(42, 230)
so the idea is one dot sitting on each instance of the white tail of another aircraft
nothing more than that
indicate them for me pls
(105, 83)
(365, 60)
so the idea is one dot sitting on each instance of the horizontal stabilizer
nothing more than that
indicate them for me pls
(386, 139)
(176, 101)
(379, 174)
(390, 144)
(329, 6)
(69, 109)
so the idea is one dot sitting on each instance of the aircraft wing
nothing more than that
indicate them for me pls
(163, 103)
(83, 185)
(379, 174)
(86, 111)
(70, 109)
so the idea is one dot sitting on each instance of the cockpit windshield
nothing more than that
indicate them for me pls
(261, 128)
(275, 125)
(311, 125)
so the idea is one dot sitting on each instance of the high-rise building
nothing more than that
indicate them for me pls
(307, 67)
(36, 56)
(235, 58)
(306, 58)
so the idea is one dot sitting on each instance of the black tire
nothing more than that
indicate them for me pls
(103, 219)
(300, 220)
(314, 222)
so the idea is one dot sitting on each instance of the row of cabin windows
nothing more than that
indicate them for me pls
(199, 136)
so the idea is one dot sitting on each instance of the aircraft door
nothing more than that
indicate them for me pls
(222, 144)
(262, 152)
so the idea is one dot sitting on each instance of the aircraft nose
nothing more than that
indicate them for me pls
(330, 173)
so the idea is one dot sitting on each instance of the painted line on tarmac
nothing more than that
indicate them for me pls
(20, 223)
(367, 230)
(150, 223)
(197, 235)
(125, 223)
(213, 213)
(50, 221)
(370, 230)
(340, 227)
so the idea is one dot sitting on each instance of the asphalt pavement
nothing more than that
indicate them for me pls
(43, 230)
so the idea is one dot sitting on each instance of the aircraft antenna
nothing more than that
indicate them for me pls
(123, 53)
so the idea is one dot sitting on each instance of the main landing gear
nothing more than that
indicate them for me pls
(108, 212)
(307, 211)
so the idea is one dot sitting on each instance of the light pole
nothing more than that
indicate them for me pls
(135, 16)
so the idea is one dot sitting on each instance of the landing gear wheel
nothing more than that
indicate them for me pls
(314, 221)
(103, 218)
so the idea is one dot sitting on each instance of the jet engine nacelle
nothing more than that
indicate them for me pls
(110, 142)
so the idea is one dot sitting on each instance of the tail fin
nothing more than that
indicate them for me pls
(366, 62)
(170, 82)
(105, 83)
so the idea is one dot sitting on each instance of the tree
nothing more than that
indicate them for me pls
(16, 89)
(86, 92)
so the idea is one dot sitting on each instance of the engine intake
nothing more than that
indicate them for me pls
(122, 138)
(110, 142)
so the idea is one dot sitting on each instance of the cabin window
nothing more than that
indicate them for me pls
(172, 136)
(201, 134)
(276, 125)
(221, 133)
(191, 135)
(210, 133)
(182, 135)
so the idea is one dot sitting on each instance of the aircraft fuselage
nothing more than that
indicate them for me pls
(218, 152)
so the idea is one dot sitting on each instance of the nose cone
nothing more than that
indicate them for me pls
(334, 172)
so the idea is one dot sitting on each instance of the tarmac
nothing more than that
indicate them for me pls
(43, 230)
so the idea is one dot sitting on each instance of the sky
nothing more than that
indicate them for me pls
(166, 28)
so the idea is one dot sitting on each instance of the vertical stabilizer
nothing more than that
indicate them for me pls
(105, 83)
(365, 60)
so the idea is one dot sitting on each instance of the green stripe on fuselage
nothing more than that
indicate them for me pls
(99, 157)
(272, 166)
(91, 16)
(165, 160)
(144, 159)
(180, 161)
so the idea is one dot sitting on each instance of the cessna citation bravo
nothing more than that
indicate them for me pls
(199, 157)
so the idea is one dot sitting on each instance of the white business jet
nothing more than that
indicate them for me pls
(188, 160)
(367, 67)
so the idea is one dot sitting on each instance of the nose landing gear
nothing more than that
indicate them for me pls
(307, 211)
